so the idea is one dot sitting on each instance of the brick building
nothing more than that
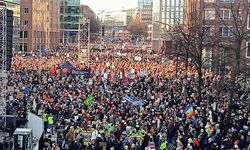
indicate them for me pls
(228, 23)
(40, 26)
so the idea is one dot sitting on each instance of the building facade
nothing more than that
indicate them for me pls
(172, 12)
(90, 14)
(165, 14)
(130, 14)
(71, 15)
(14, 5)
(54, 29)
(228, 22)
(146, 13)
(39, 25)
(141, 3)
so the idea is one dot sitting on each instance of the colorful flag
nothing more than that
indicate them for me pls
(129, 99)
(112, 67)
(47, 98)
(88, 100)
(140, 104)
(53, 70)
(119, 74)
(43, 52)
(189, 111)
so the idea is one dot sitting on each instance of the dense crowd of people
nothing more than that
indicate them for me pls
(128, 104)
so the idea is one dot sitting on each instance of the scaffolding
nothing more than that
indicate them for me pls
(102, 40)
(84, 40)
(3, 73)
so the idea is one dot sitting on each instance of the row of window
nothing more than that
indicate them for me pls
(223, 55)
(223, 31)
(248, 22)
(24, 23)
(23, 34)
(225, 14)
(222, 1)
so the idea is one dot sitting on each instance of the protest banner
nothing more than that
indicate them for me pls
(87, 137)
(86, 73)
(44, 79)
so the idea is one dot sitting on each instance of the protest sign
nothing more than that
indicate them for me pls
(10, 89)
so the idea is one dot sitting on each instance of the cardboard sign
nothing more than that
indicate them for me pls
(20, 95)
(20, 84)
(44, 79)
(87, 136)
(137, 58)
(10, 89)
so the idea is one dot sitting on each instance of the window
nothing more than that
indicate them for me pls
(23, 47)
(207, 55)
(208, 30)
(239, 14)
(25, 10)
(26, 22)
(23, 34)
(226, 14)
(248, 50)
(226, 1)
(226, 31)
(248, 21)
(209, 1)
(224, 57)
(209, 14)
(222, 60)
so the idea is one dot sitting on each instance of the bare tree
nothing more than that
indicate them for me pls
(233, 18)
(195, 37)
(137, 27)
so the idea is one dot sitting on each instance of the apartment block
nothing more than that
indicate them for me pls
(71, 15)
(227, 21)
(39, 27)
(165, 14)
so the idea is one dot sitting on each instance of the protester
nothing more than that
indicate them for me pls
(128, 104)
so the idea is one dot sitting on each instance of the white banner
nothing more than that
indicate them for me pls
(137, 58)
(36, 124)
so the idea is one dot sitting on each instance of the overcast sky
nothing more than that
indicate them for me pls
(109, 5)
